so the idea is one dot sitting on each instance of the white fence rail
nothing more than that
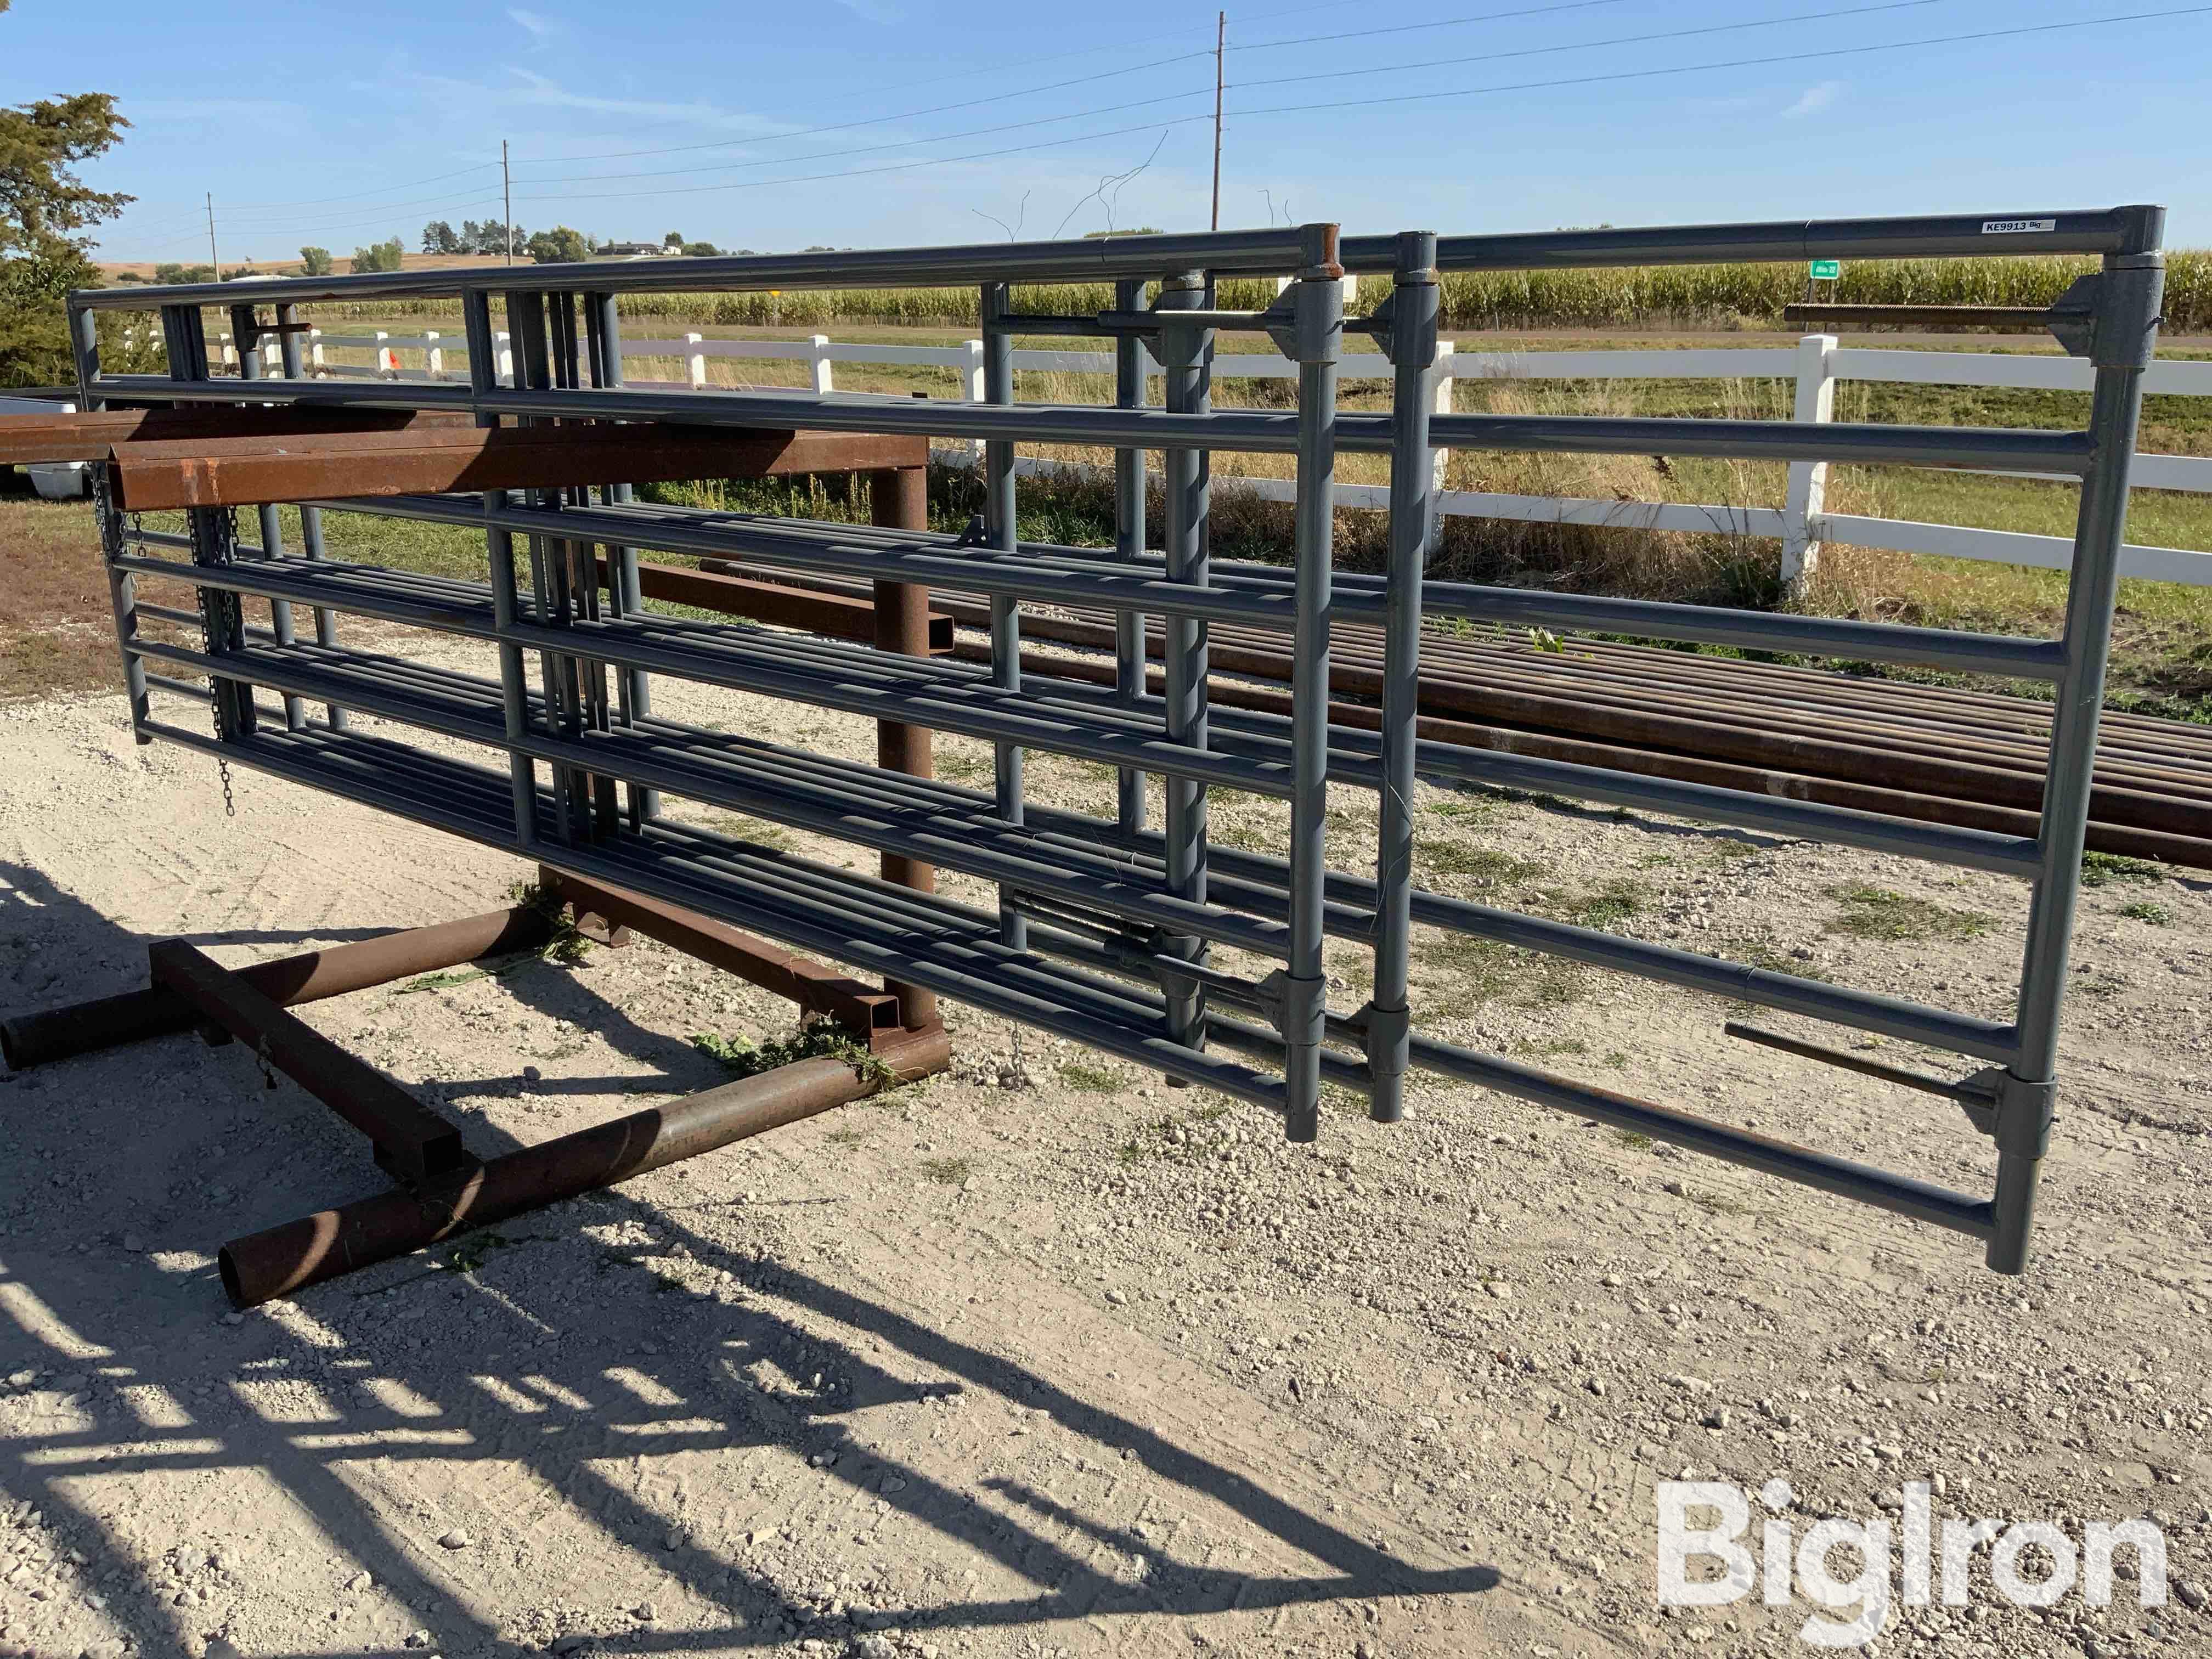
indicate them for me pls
(1815, 364)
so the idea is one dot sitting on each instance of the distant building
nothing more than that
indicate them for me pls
(635, 250)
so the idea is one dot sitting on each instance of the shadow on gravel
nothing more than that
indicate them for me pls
(496, 1362)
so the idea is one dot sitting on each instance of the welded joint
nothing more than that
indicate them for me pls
(1303, 1015)
(1389, 1039)
(2020, 1116)
(2111, 316)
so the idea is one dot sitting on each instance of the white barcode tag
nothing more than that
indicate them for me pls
(2014, 226)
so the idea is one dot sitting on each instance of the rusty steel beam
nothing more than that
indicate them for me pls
(832, 616)
(2124, 840)
(2023, 318)
(413, 1144)
(870, 1015)
(93, 436)
(899, 500)
(242, 471)
(282, 1259)
(83, 1028)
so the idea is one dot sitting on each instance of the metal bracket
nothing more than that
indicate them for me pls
(2072, 318)
(2111, 316)
(1280, 320)
(1389, 1032)
(2020, 1115)
(975, 535)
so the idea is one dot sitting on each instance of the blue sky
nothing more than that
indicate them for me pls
(775, 127)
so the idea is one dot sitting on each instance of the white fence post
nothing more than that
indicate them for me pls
(503, 345)
(315, 350)
(272, 356)
(434, 355)
(695, 361)
(1444, 400)
(381, 357)
(971, 383)
(820, 362)
(229, 356)
(1808, 480)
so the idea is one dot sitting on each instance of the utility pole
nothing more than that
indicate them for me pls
(507, 200)
(1220, 38)
(213, 258)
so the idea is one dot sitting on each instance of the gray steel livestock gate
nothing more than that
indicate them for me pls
(1103, 928)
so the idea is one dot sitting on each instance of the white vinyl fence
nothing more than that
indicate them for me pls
(1815, 364)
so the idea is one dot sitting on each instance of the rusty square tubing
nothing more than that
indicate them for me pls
(718, 587)
(413, 1143)
(870, 1015)
(282, 1259)
(83, 1028)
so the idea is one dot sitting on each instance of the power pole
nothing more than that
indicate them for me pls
(1220, 37)
(507, 200)
(213, 258)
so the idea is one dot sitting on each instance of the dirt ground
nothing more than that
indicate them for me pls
(1041, 1356)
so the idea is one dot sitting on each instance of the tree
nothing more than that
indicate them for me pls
(700, 250)
(1139, 230)
(489, 237)
(674, 239)
(173, 272)
(380, 256)
(44, 212)
(314, 262)
(438, 237)
(558, 246)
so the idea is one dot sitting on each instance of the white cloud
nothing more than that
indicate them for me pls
(542, 29)
(1814, 98)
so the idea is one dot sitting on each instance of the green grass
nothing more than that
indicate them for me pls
(1878, 914)
(2102, 869)
(1483, 970)
(1459, 857)
(741, 1056)
(2158, 915)
(948, 1171)
(1093, 1079)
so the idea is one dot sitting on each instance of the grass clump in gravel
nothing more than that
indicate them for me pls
(741, 1056)
(2103, 869)
(951, 1171)
(1877, 913)
(1483, 970)
(2158, 915)
(1091, 1079)
(1459, 857)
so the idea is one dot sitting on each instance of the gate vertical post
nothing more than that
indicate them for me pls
(898, 499)
(1412, 347)
(122, 590)
(1318, 328)
(2123, 338)
(999, 528)
(1129, 505)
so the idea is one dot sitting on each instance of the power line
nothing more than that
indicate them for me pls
(1813, 55)
(877, 120)
(1590, 45)
(1441, 23)
(1736, 63)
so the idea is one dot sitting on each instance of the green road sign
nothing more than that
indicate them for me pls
(1827, 269)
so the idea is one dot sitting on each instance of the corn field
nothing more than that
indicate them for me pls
(1644, 296)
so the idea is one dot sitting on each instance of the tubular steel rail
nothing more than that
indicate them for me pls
(1104, 929)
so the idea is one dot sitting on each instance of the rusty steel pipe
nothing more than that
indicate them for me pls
(898, 499)
(411, 1142)
(2194, 852)
(264, 1266)
(83, 1028)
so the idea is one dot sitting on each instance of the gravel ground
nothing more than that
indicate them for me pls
(1040, 1356)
